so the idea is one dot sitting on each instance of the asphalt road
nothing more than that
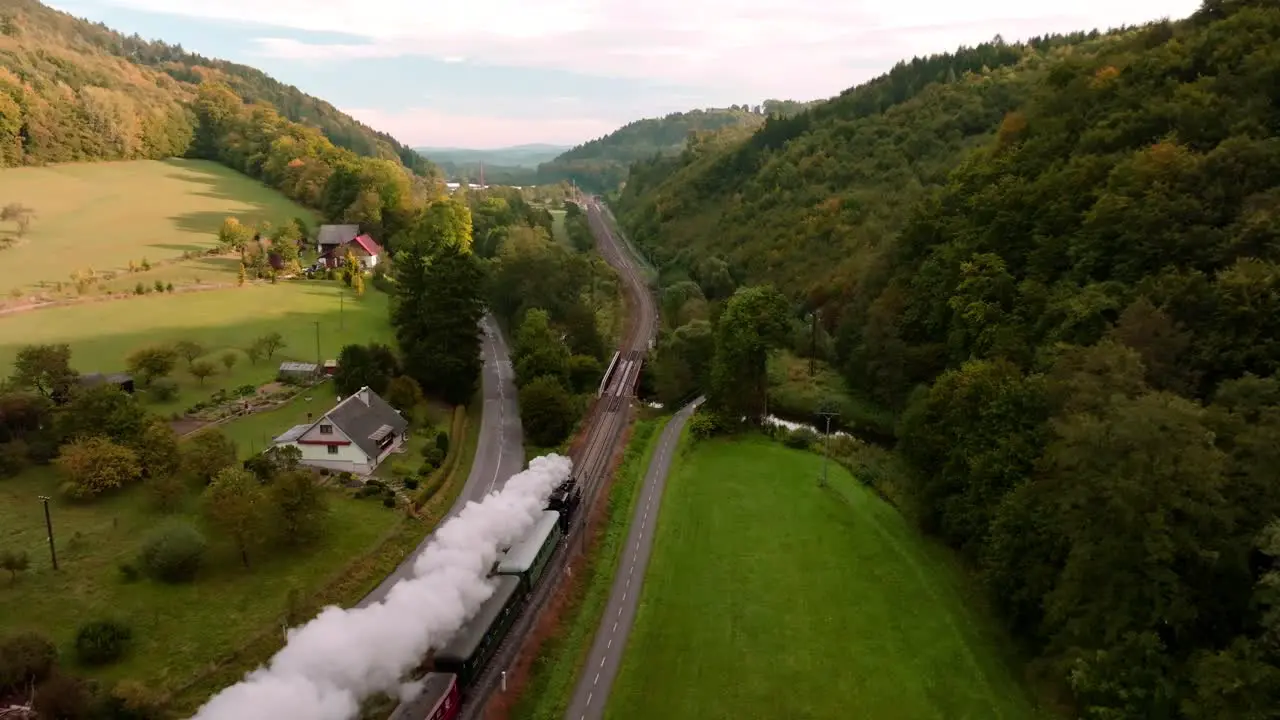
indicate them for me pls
(500, 448)
(592, 692)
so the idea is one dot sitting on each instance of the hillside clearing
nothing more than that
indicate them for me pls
(767, 596)
(100, 216)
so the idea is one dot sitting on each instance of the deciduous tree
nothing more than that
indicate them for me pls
(237, 506)
(546, 411)
(94, 465)
(300, 505)
(150, 363)
(206, 453)
(45, 369)
(202, 369)
(189, 350)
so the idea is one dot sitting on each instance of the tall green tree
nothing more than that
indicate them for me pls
(755, 320)
(437, 304)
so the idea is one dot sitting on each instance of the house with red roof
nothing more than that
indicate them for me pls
(367, 251)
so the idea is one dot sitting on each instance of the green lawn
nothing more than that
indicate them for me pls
(767, 596)
(558, 231)
(253, 433)
(102, 334)
(179, 629)
(102, 215)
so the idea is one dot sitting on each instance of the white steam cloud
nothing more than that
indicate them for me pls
(342, 656)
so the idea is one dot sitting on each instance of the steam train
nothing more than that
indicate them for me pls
(453, 670)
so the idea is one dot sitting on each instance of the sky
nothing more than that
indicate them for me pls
(494, 73)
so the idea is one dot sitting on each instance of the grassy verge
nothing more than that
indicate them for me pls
(767, 596)
(551, 682)
(459, 437)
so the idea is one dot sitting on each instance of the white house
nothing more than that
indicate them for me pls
(355, 436)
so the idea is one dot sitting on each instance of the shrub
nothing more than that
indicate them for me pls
(801, 438)
(102, 641)
(164, 390)
(129, 572)
(173, 552)
(389, 501)
(25, 657)
(411, 483)
(368, 491)
(13, 458)
(442, 442)
(434, 455)
(159, 286)
(139, 289)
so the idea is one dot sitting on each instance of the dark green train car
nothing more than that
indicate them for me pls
(476, 642)
(528, 558)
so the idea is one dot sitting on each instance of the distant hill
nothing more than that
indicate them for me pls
(602, 164)
(516, 156)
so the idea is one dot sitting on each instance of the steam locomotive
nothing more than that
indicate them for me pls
(455, 667)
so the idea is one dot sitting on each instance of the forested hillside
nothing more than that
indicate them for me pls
(62, 70)
(1061, 263)
(601, 164)
(74, 91)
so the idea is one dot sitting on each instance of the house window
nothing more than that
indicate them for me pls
(326, 429)
(333, 449)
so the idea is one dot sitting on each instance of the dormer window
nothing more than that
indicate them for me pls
(326, 429)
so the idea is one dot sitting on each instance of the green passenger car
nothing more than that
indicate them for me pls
(528, 558)
(476, 642)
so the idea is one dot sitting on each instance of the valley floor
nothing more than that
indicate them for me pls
(768, 596)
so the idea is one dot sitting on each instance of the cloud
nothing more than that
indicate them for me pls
(427, 127)
(779, 48)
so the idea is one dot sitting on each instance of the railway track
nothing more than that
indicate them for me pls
(609, 418)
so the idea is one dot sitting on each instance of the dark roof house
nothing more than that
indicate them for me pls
(331, 236)
(124, 381)
(367, 419)
(363, 419)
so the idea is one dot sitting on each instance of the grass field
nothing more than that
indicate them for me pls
(558, 231)
(177, 628)
(102, 334)
(767, 596)
(102, 215)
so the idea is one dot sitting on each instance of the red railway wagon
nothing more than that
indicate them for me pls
(438, 700)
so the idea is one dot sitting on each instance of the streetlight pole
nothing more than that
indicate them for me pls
(48, 523)
(826, 446)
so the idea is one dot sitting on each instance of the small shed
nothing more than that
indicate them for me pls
(330, 367)
(298, 370)
(123, 381)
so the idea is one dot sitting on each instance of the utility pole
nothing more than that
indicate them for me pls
(826, 446)
(342, 300)
(319, 360)
(813, 341)
(48, 523)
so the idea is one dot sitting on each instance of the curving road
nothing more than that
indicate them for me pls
(499, 450)
(592, 692)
